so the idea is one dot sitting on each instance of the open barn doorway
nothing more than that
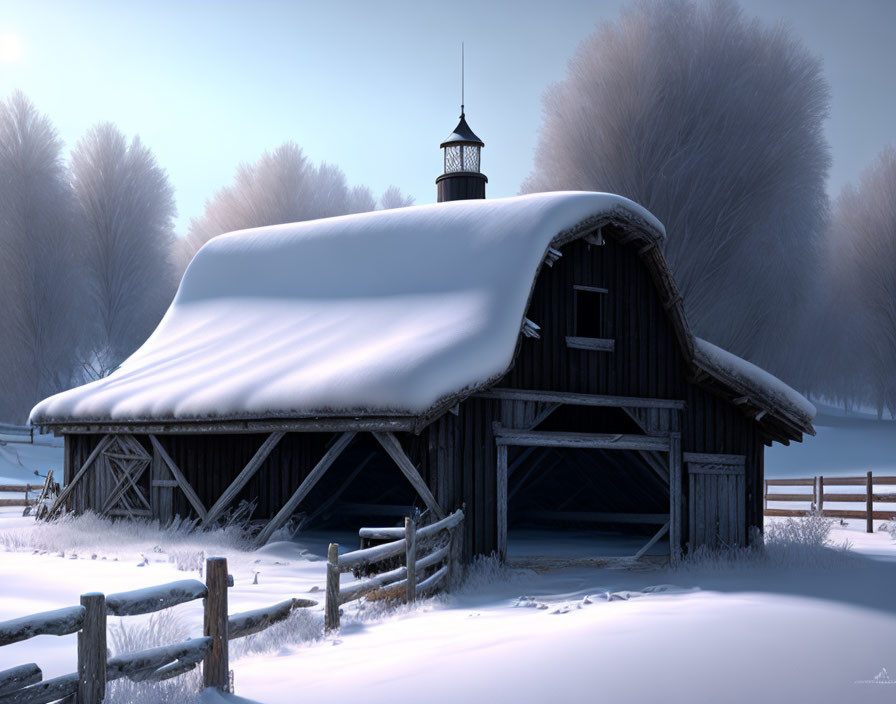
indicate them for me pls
(586, 485)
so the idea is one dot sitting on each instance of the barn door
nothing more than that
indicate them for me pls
(716, 500)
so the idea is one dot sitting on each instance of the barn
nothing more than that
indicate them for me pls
(527, 358)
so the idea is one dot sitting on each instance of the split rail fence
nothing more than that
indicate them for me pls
(49, 489)
(24, 684)
(819, 497)
(431, 562)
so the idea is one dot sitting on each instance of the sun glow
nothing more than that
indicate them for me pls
(10, 48)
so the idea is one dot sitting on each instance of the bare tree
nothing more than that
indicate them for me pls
(281, 187)
(713, 121)
(41, 291)
(393, 198)
(127, 209)
(859, 355)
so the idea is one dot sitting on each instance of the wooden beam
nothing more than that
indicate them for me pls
(313, 477)
(523, 456)
(705, 458)
(583, 441)
(532, 468)
(659, 534)
(601, 517)
(242, 478)
(297, 425)
(595, 344)
(393, 447)
(501, 498)
(101, 445)
(576, 399)
(179, 477)
(139, 466)
(675, 503)
(334, 497)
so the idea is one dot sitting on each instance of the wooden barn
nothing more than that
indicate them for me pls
(528, 358)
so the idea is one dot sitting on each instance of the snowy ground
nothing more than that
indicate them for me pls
(801, 625)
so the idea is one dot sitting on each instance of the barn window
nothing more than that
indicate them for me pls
(590, 319)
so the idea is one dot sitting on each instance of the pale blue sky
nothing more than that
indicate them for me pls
(372, 86)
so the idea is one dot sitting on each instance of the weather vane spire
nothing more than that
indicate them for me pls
(461, 79)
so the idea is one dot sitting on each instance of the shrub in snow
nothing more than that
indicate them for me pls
(90, 536)
(793, 542)
(130, 635)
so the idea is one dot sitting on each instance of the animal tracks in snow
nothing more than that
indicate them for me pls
(530, 602)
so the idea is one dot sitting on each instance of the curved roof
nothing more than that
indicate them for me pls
(462, 135)
(277, 322)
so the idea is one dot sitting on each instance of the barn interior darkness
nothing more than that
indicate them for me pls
(548, 482)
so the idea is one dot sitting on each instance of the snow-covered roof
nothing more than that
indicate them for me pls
(387, 314)
(382, 313)
(734, 370)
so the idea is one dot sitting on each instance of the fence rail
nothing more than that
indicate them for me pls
(420, 555)
(46, 490)
(24, 684)
(818, 498)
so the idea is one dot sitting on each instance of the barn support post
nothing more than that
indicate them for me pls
(501, 499)
(675, 507)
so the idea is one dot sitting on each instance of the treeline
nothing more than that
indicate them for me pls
(89, 260)
(715, 122)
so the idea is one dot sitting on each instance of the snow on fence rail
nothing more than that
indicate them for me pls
(24, 684)
(400, 582)
(817, 498)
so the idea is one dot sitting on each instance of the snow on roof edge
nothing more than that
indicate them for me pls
(733, 367)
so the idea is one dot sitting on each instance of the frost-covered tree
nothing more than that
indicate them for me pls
(858, 355)
(393, 198)
(713, 121)
(42, 292)
(127, 208)
(282, 186)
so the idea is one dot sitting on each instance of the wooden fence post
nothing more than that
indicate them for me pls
(454, 547)
(410, 534)
(217, 666)
(331, 613)
(821, 495)
(92, 650)
(869, 504)
(814, 506)
(765, 497)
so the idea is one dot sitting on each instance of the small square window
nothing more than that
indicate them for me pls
(590, 310)
(590, 320)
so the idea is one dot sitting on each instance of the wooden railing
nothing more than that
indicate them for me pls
(431, 562)
(818, 498)
(24, 684)
(46, 490)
